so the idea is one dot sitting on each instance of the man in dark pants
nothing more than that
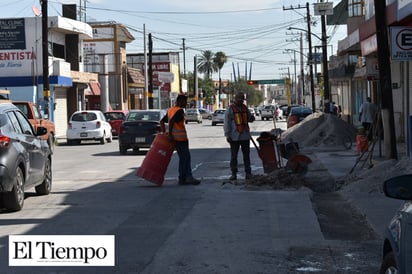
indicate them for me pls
(237, 133)
(175, 117)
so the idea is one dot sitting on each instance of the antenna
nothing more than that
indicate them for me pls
(36, 11)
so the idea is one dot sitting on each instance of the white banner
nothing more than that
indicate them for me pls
(61, 250)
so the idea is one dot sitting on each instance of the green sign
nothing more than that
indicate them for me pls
(272, 82)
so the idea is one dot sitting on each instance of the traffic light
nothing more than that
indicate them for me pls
(252, 82)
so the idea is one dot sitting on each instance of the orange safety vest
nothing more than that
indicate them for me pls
(179, 129)
(240, 117)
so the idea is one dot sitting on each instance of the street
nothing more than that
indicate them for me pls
(209, 228)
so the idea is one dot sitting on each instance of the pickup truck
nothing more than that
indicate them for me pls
(267, 112)
(36, 119)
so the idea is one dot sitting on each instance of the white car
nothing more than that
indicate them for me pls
(88, 125)
(218, 117)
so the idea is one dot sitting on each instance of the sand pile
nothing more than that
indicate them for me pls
(320, 129)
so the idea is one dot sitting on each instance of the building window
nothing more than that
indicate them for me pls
(356, 8)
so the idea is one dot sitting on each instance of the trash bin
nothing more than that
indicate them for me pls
(267, 152)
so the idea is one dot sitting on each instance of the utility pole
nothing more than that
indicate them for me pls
(45, 53)
(150, 69)
(325, 60)
(385, 80)
(146, 80)
(184, 58)
(310, 59)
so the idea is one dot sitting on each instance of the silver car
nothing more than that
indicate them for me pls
(88, 125)
(25, 159)
(218, 117)
(193, 115)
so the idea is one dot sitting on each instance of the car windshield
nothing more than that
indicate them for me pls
(114, 116)
(191, 111)
(84, 117)
(144, 115)
(301, 110)
(220, 111)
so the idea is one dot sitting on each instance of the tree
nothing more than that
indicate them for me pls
(206, 63)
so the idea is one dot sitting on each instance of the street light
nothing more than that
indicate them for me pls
(317, 36)
(324, 57)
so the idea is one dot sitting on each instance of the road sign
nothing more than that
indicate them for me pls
(165, 77)
(272, 82)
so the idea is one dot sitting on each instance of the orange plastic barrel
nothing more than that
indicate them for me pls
(267, 153)
(156, 162)
(362, 143)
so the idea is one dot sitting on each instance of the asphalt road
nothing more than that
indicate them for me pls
(209, 228)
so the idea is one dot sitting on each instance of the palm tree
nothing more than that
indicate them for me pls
(219, 60)
(207, 63)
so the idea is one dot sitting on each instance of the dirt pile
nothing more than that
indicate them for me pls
(320, 129)
(371, 180)
(278, 179)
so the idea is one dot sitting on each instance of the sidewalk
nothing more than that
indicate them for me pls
(359, 188)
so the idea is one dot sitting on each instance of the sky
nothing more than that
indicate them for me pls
(253, 34)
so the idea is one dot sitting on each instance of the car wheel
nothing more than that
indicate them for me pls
(209, 118)
(51, 142)
(14, 199)
(122, 150)
(103, 139)
(389, 264)
(45, 186)
(110, 139)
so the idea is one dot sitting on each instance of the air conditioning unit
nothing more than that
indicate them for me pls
(61, 68)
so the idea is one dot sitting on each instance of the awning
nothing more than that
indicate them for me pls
(93, 89)
(135, 78)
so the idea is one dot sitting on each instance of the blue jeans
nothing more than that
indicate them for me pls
(185, 169)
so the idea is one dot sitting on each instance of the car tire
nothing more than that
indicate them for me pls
(14, 199)
(51, 141)
(110, 139)
(389, 264)
(45, 187)
(103, 139)
(122, 150)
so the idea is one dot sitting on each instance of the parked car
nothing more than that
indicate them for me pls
(88, 125)
(115, 119)
(397, 257)
(297, 114)
(139, 129)
(288, 108)
(36, 119)
(193, 115)
(218, 117)
(25, 158)
(252, 111)
(206, 114)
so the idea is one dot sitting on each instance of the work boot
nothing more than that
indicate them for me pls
(192, 181)
(233, 177)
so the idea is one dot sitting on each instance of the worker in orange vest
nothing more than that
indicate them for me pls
(237, 133)
(175, 117)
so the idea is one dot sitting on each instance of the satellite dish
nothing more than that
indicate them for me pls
(36, 11)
